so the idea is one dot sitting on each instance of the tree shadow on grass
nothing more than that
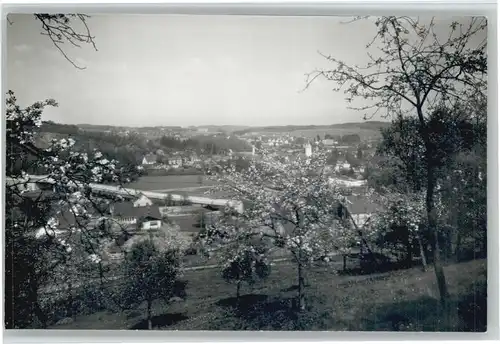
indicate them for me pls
(262, 312)
(293, 288)
(461, 314)
(160, 321)
(244, 301)
(369, 268)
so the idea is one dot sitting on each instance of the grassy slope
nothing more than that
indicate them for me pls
(404, 300)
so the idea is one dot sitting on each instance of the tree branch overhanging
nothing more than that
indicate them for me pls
(60, 29)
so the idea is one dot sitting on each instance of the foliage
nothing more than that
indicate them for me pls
(206, 144)
(37, 257)
(352, 160)
(350, 138)
(451, 131)
(401, 226)
(248, 265)
(129, 150)
(459, 160)
(359, 154)
(151, 274)
(293, 204)
(415, 72)
(333, 157)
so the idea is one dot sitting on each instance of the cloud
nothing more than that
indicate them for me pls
(22, 48)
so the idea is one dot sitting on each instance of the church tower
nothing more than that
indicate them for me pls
(308, 149)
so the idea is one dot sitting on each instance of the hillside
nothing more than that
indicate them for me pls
(130, 149)
(366, 129)
(223, 128)
(401, 300)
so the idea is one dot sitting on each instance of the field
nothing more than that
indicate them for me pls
(173, 182)
(366, 130)
(364, 134)
(399, 300)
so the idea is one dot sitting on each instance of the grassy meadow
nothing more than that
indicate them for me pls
(403, 300)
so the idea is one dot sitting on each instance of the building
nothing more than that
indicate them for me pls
(142, 201)
(141, 213)
(175, 162)
(361, 210)
(308, 149)
(359, 170)
(342, 166)
(328, 142)
(143, 218)
(149, 159)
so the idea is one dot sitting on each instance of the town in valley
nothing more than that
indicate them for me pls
(307, 194)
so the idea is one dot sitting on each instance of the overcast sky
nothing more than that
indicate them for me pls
(187, 70)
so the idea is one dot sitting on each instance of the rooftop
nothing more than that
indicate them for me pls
(127, 209)
(362, 205)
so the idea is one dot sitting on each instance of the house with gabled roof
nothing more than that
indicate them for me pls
(142, 201)
(140, 214)
(361, 209)
(149, 159)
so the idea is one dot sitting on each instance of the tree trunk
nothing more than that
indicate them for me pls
(430, 207)
(422, 252)
(238, 288)
(432, 223)
(458, 246)
(40, 314)
(344, 257)
(71, 312)
(302, 301)
(150, 320)
(409, 251)
(300, 273)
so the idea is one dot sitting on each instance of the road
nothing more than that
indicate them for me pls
(187, 189)
(118, 190)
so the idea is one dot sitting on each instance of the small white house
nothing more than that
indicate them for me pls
(149, 159)
(144, 217)
(175, 162)
(342, 166)
(141, 212)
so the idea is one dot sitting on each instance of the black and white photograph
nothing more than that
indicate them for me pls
(245, 172)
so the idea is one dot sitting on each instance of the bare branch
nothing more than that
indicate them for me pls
(414, 66)
(60, 29)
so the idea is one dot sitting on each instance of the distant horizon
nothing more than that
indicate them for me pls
(220, 125)
(150, 70)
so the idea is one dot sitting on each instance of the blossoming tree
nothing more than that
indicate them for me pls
(402, 222)
(152, 272)
(292, 203)
(413, 69)
(247, 265)
(36, 249)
